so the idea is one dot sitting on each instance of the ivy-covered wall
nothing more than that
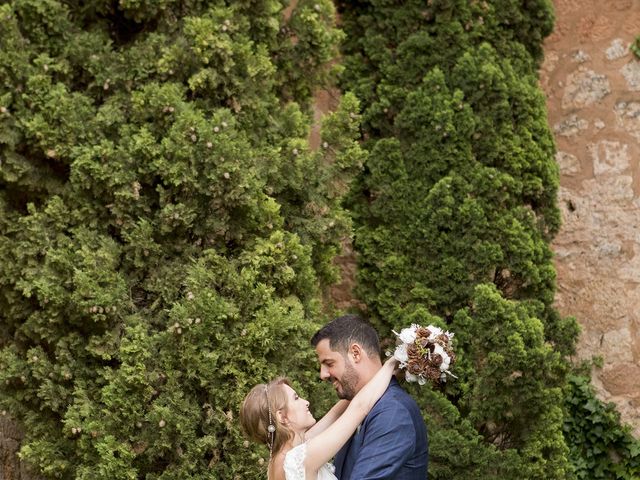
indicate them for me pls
(601, 447)
(454, 213)
(164, 227)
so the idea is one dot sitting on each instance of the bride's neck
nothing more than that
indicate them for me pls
(297, 439)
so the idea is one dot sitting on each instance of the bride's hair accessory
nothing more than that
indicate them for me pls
(425, 353)
(271, 428)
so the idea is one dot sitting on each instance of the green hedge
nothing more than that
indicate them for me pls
(165, 227)
(454, 213)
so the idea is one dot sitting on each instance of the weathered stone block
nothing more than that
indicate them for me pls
(571, 126)
(631, 73)
(609, 157)
(585, 87)
(617, 50)
(628, 117)
(569, 164)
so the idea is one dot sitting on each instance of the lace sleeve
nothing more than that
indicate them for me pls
(294, 462)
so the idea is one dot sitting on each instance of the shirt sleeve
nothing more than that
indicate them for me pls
(389, 440)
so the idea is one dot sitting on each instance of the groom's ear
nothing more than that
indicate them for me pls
(355, 352)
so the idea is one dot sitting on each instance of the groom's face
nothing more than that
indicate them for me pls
(337, 369)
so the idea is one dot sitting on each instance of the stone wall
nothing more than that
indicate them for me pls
(592, 84)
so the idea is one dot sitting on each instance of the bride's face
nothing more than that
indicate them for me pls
(298, 415)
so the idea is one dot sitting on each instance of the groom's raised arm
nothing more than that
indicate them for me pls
(389, 440)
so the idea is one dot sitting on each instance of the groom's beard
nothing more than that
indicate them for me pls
(346, 388)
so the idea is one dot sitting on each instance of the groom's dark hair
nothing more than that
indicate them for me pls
(345, 330)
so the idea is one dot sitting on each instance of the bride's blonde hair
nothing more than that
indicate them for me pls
(258, 411)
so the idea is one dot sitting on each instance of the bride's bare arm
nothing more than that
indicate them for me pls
(330, 417)
(322, 447)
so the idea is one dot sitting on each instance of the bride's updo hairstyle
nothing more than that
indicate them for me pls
(258, 411)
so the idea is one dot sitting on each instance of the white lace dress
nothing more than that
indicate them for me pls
(294, 465)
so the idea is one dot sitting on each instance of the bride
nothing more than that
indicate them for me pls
(300, 447)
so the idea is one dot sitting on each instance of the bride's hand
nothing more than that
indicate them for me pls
(392, 363)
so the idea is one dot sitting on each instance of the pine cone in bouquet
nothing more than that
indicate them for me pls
(426, 353)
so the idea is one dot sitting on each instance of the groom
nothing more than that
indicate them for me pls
(391, 442)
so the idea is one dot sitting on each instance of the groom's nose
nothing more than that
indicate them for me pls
(324, 373)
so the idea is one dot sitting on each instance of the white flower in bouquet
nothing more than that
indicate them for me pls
(435, 332)
(408, 335)
(401, 353)
(446, 360)
(410, 377)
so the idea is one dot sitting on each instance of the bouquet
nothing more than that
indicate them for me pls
(425, 353)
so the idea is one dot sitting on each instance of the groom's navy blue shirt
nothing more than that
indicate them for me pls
(390, 444)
